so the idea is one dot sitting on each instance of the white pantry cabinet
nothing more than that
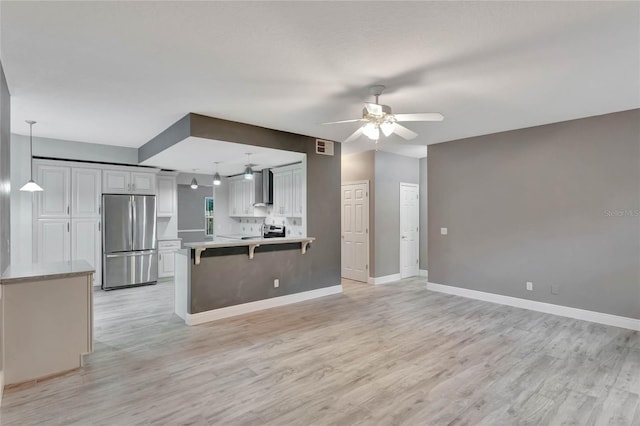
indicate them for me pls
(86, 243)
(55, 200)
(85, 192)
(53, 240)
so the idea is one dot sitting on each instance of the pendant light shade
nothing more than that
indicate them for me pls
(31, 186)
(217, 180)
(248, 171)
(194, 182)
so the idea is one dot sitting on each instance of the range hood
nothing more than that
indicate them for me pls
(263, 188)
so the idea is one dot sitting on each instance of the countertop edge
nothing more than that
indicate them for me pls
(45, 271)
(267, 241)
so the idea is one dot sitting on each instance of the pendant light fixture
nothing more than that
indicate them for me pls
(248, 171)
(217, 180)
(194, 182)
(31, 186)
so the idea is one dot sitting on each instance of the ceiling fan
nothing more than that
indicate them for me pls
(379, 118)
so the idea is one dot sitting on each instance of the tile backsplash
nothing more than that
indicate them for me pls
(253, 226)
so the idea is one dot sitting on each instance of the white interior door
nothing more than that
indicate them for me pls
(409, 229)
(355, 231)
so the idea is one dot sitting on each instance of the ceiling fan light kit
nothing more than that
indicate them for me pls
(380, 118)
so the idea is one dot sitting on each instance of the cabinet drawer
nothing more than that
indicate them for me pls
(169, 245)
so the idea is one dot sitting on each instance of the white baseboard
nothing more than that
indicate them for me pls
(548, 308)
(423, 273)
(245, 308)
(385, 279)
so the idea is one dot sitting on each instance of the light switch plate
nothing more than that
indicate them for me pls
(529, 286)
(443, 231)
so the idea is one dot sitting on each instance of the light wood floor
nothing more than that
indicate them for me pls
(393, 354)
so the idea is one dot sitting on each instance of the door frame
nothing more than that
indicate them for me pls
(417, 186)
(368, 233)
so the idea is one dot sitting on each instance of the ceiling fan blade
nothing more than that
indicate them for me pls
(403, 132)
(344, 121)
(374, 109)
(420, 116)
(355, 135)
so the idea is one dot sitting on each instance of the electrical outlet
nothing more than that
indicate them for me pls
(276, 283)
(444, 231)
(555, 289)
(529, 286)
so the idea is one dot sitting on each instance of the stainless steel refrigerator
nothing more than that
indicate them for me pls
(129, 241)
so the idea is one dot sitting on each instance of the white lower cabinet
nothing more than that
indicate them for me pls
(167, 257)
(86, 244)
(53, 240)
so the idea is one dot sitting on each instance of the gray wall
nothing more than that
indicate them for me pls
(191, 212)
(424, 208)
(80, 151)
(361, 166)
(5, 190)
(391, 170)
(556, 205)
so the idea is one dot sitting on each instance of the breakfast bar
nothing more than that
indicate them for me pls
(226, 277)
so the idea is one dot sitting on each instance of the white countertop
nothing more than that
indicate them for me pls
(231, 242)
(39, 271)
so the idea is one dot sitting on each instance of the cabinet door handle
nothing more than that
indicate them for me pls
(67, 209)
(160, 257)
(67, 226)
(99, 226)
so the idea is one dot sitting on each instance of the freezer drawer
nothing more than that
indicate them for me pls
(128, 269)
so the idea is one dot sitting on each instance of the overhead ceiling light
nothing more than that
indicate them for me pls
(217, 180)
(194, 182)
(31, 186)
(387, 128)
(371, 131)
(248, 171)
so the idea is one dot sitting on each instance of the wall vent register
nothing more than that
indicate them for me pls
(324, 147)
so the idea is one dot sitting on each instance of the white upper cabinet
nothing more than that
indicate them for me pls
(242, 197)
(116, 182)
(167, 193)
(55, 200)
(124, 182)
(143, 183)
(85, 192)
(297, 188)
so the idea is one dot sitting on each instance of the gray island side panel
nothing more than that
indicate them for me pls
(227, 277)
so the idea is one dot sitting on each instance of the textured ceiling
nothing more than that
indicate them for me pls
(121, 72)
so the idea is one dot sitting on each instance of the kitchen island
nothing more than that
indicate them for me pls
(226, 277)
(48, 318)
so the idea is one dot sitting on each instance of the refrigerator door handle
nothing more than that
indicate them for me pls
(131, 253)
